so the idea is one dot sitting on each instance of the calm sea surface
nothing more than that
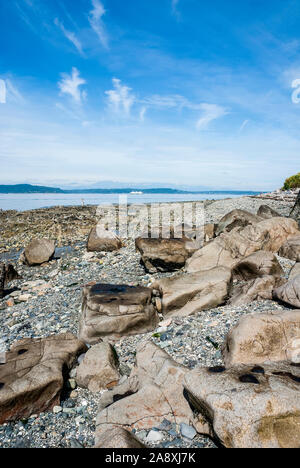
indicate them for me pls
(30, 201)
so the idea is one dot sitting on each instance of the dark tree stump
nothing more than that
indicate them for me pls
(295, 213)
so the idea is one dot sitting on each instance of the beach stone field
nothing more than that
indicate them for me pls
(129, 342)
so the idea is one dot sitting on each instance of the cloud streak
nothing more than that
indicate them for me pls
(2, 92)
(120, 99)
(69, 35)
(211, 112)
(96, 22)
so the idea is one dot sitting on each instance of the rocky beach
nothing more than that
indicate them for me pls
(182, 332)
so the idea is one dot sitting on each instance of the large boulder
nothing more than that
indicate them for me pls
(32, 378)
(289, 293)
(39, 251)
(257, 265)
(258, 289)
(99, 368)
(291, 249)
(267, 212)
(7, 274)
(112, 311)
(249, 406)
(118, 438)
(228, 248)
(152, 393)
(236, 218)
(269, 336)
(295, 271)
(190, 293)
(160, 254)
(102, 241)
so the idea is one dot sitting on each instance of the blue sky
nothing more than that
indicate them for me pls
(185, 92)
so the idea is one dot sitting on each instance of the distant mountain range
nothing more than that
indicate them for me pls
(27, 188)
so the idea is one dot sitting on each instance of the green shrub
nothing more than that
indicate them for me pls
(292, 182)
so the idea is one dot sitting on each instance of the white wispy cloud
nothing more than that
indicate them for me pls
(143, 113)
(210, 112)
(70, 84)
(244, 124)
(120, 98)
(96, 22)
(2, 92)
(71, 36)
(174, 7)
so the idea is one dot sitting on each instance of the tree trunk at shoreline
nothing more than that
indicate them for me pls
(295, 213)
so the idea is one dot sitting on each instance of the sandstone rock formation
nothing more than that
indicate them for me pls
(258, 289)
(114, 311)
(98, 370)
(236, 218)
(295, 271)
(32, 378)
(7, 274)
(291, 249)
(189, 293)
(118, 438)
(164, 254)
(258, 338)
(39, 251)
(289, 293)
(102, 241)
(257, 265)
(152, 393)
(267, 212)
(228, 248)
(249, 406)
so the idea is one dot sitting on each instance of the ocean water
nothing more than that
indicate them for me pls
(30, 201)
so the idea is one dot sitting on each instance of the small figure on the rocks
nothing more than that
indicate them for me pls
(7, 274)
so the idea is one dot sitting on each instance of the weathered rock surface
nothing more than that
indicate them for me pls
(7, 274)
(291, 249)
(32, 378)
(102, 241)
(228, 248)
(289, 292)
(295, 271)
(114, 311)
(249, 406)
(258, 289)
(295, 213)
(152, 393)
(257, 338)
(267, 212)
(257, 265)
(189, 293)
(164, 254)
(118, 438)
(236, 218)
(98, 370)
(39, 251)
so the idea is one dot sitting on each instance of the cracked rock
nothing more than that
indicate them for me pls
(289, 293)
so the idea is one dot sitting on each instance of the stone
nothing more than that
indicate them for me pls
(187, 431)
(190, 293)
(257, 338)
(98, 370)
(7, 274)
(295, 271)
(33, 376)
(289, 293)
(154, 436)
(291, 249)
(259, 289)
(209, 232)
(236, 218)
(257, 265)
(113, 311)
(267, 212)
(295, 213)
(159, 254)
(100, 240)
(249, 406)
(118, 438)
(152, 393)
(39, 251)
(227, 249)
